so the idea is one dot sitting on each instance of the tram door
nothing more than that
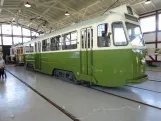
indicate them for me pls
(86, 51)
(38, 55)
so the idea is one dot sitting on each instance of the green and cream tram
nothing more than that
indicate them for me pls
(108, 50)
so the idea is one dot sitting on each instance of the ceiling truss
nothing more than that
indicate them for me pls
(47, 15)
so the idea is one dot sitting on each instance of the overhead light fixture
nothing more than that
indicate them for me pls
(147, 1)
(67, 14)
(44, 25)
(27, 5)
(13, 21)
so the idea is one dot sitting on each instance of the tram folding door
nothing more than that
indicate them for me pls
(86, 51)
(38, 55)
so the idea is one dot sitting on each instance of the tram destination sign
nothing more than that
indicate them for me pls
(132, 18)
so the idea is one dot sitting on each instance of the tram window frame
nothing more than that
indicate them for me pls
(47, 45)
(123, 27)
(83, 38)
(58, 45)
(70, 46)
(108, 39)
(39, 46)
(31, 45)
(35, 47)
(27, 49)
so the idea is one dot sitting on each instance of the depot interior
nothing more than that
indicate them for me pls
(22, 21)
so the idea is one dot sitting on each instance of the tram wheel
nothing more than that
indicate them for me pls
(66, 76)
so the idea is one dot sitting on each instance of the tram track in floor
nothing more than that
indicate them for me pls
(126, 98)
(143, 88)
(61, 109)
(154, 70)
(154, 80)
(100, 90)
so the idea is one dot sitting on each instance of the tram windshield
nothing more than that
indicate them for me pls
(135, 34)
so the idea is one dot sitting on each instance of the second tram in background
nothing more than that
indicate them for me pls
(17, 52)
(108, 50)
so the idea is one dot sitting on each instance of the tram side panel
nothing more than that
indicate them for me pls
(118, 67)
(112, 67)
(30, 60)
(69, 61)
(138, 66)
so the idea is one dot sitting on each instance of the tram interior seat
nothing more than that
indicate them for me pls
(103, 41)
(72, 46)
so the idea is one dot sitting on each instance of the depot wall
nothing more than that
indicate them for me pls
(151, 27)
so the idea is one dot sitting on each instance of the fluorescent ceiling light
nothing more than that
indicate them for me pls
(27, 5)
(147, 1)
(67, 14)
(44, 25)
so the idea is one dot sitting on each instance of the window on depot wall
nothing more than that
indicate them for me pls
(148, 24)
(26, 40)
(34, 33)
(17, 40)
(159, 22)
(7, 40)
(17, 30)
(6, 29)
(26, 32)
(0, 29)
(0, 41)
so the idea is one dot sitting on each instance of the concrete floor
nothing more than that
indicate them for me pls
(156, 75)
(20, 103)
(84, 103)
(141, 95)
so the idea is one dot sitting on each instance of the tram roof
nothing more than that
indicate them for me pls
(76, 26)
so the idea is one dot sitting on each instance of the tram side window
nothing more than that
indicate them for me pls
(39, 46)
(27, 49)
(84, 36)
(35, 47)
(74, 40)
(102, 36)
(31, 48)
(69, 41)
(119, 34)
(55, 43)
(45, 45)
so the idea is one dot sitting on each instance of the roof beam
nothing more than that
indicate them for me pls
(83, 11)
(9, 7)
(143, 7)
(2, 1)
(40, 14)
(6, 16)
(153, 5)
(38, 4)
(78, 12)
(47, 10)
(62, 9)
(67, 6)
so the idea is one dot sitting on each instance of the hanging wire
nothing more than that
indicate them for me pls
(110, 6)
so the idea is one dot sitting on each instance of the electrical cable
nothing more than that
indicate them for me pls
(110, 6)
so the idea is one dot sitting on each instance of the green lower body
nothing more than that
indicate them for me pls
(111, 68)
